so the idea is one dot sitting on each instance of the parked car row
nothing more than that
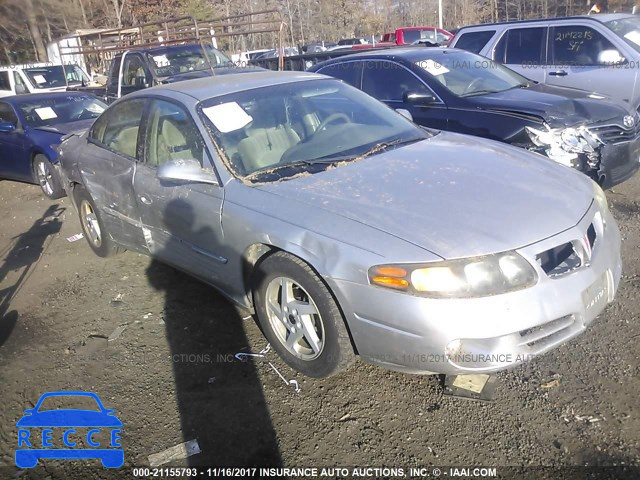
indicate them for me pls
(346, 228)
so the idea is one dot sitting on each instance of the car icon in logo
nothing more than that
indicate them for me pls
(65, 422)
(629, 121)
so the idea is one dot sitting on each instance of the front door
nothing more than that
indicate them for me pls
(181, 222)
(14, 163)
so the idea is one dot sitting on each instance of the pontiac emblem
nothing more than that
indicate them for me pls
(629, 121)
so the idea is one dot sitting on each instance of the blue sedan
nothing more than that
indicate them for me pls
(32, 125)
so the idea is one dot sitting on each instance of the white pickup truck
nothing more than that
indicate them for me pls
(40, 78)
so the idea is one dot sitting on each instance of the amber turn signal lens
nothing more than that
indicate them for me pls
(399, 283)
(391, 271)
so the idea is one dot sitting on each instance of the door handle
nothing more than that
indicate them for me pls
(145, 200)
(559, 73)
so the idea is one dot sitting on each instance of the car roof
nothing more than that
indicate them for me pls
(601, 18)
(410, 54)
(44, 96)
(208, 87)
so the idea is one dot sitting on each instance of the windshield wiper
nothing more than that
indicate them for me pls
(329, 159)
(477, 92)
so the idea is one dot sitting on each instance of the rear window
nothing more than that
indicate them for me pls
(4, 81)
(474, 41)
(522, 46)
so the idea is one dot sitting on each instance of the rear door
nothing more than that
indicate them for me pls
(108, 167)
(524, 49)
(580, 56)
(14, 163)
(181, 222)
(389, 81)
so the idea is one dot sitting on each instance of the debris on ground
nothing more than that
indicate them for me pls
(177, 452)
(117, 332)
(117, 300)
(75, 238)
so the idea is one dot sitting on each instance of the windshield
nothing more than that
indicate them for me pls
(54, 76)
(284, 128)
(466, 74)
(62, 109)
(175, 60)
(628, 29)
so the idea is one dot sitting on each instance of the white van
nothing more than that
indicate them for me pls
(39, 78)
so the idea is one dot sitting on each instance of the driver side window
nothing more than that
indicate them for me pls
(20, 86)
(7, 114)
(133, 69)
(388, 81)
(171, 135)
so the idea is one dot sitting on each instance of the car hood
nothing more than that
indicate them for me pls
(558, 106)
(454, 195)
(69, 418)
(207, 73)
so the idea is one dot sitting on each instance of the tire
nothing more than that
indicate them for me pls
(93, 227)
(315, 343)
(46, 176)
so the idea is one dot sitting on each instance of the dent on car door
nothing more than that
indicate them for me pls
(582, 57)
(14, 163)
(390, 82)
(524, 51)
(108, 166)
(180, 221)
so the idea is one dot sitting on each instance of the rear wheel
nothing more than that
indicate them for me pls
(300, 317)
(45, 175)
(92, 225)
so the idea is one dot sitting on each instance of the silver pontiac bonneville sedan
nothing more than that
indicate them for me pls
(347, 229)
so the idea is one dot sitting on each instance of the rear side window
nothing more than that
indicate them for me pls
(474, 41)
(117, 128)
(350, 72)
(578, 45)
(4, 81)
(522, 46)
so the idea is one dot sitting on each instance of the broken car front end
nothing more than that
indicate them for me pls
(608, 152)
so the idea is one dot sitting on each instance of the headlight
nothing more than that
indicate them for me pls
(564, 145)
(601, 198)
(464, 278)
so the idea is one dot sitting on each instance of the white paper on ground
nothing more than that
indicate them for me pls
(182, 450)
(227, 117)
(46, 113)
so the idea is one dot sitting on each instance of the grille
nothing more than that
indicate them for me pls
(531, 337)
(617, 133)
(565, 258)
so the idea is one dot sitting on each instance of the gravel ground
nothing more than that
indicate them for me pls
(171, 375)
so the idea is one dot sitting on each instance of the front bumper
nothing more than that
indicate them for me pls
(619, 162)
(483, 335)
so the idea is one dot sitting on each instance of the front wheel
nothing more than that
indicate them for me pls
(300, 317)
(93, 227)
(45, 175)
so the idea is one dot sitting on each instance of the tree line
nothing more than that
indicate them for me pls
(26, 26)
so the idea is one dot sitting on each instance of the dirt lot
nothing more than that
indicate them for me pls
(171, 376)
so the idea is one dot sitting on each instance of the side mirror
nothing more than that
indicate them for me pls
(141, 82)
(7, 127)
(418, 98)
(405, 113)
(610, 57)
(185, 171)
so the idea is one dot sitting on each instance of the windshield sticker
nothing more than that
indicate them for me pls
(161, 60)
(432, 67)
(227, 117)
(39, 79)
(46, 113)
(633, 36)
